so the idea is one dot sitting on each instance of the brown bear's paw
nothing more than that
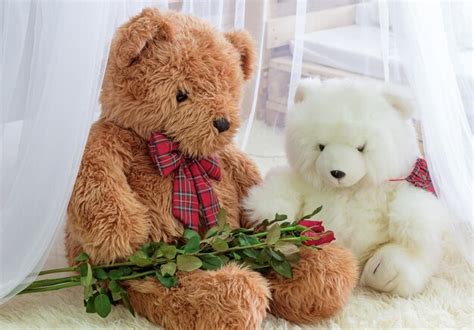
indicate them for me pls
(229, 298)
(321, 284)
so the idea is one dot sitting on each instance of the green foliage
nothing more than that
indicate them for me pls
(81, 257)
(273, 245)
(188, 263)
(169, 251)
(219, 244)
(274, 234)
(140, 258)
(211, 262)
(102, 305)
(168, 268)
(167, 281)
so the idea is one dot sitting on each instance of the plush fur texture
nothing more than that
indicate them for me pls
(393, 228)
(120, 201)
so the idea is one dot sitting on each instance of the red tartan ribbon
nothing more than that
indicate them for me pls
(192, 191)
(420, 176)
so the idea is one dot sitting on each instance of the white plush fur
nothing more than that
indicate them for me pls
(393, 228)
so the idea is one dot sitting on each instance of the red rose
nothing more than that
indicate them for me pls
(316, 231)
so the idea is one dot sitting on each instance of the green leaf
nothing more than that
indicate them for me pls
(140, 259)
(246, 240)
(264, 256)
(221, 219)
(90, 308)
(126, 302)
(100, 274)
(86, 280)
(276, 255)
(242, 230)
(88, 292)
(225, 259)
(116, 290)
(219, 244)
(211, 262)
(166, 281)
(211, 232)
(192, 245)
(236, 256)
(115, 287)
(188, 263)
(169, 251)
(273, 234)
(250, 253)
(289, 250)
(157, 254)
(125, 270)
(102, 305)
(252, 240)
(253, 265)
(282, 267)
(308, 216)
(189, 233)
(280, 217)
(82, 257)
(146, 248)
(83, 269)
(286, 248)
(226, 230)
(168, 269)
(115, 274)
(243, 241)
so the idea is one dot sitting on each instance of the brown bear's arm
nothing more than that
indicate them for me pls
(245, 173)
(105, 218)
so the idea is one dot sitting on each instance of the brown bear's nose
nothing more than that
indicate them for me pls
(338, 174)
(221, 124)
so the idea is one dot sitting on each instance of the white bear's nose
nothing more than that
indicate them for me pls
(338, 174)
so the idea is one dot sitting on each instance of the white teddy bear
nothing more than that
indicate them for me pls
(350, 148)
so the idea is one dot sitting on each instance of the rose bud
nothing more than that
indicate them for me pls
(316, 226)
(320, 239)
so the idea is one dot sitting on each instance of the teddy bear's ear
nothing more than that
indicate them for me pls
(399, 101)
(305, 87)
(133, 36)
(244, 43)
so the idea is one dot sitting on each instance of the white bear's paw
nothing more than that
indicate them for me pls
(392, 270)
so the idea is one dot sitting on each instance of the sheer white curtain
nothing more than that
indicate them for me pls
(436, 47)
(54, 54)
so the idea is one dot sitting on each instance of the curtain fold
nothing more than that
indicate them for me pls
(50, 85)
(429, 60)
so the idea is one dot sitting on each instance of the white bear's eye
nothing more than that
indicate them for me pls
(321, 147)
(361, 148)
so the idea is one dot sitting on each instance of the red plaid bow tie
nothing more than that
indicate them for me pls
(420, 176)
(192, 191)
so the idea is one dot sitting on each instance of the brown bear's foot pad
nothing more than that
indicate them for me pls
(229, 298)
(321, 284)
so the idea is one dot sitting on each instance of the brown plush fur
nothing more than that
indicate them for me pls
(120, 201)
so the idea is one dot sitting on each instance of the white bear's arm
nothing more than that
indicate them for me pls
(417, 221)
(280, 192)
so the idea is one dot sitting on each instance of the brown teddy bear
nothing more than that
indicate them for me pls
(177, 80)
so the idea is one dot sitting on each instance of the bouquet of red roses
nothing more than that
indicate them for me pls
(273, 245)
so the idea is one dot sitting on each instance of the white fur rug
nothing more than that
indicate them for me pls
(447, 302)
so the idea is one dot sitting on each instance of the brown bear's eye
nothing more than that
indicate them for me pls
(181, 96)
(361, 148)
(321, 147)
